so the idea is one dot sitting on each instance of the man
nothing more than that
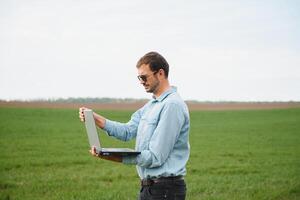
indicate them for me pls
(161, 128)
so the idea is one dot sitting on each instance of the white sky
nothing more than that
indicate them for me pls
(217, 50)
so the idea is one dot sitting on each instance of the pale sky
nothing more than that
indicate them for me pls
(225, 50)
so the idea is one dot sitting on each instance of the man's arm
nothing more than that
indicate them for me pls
(121, 131)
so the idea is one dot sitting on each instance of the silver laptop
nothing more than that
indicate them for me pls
(94, 139)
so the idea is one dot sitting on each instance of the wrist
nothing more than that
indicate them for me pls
(100, 121)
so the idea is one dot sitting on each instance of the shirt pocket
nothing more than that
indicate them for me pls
(150, 125)
(146, 131)
(151, 121)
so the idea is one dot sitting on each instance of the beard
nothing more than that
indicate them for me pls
(153, 87)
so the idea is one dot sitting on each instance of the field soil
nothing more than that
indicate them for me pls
(134, 106)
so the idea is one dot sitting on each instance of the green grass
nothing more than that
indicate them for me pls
(234, 155)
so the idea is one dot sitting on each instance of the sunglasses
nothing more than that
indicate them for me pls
(145, 77)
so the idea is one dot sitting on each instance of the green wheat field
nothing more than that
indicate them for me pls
(245, 154)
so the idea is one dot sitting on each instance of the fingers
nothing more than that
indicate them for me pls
(93, 151)
(81, 114)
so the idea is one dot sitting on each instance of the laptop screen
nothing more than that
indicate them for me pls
(91, 129)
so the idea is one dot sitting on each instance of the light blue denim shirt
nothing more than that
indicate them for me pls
(161, 128)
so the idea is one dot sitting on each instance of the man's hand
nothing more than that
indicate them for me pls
(111, 158)
(99, 120)
(93, 152)
(81, 114)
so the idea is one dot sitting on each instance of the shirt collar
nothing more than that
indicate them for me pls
(165, 94)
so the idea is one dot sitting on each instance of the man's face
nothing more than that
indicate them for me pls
(148, 78)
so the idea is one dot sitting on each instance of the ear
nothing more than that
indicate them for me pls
(161, 72)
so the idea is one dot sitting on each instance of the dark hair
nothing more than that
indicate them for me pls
(155, 61)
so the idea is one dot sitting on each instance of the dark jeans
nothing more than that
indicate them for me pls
(167, 190)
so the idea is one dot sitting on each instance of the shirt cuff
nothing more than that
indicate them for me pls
(130, 160)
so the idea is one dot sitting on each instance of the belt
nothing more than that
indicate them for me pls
(151, 181)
